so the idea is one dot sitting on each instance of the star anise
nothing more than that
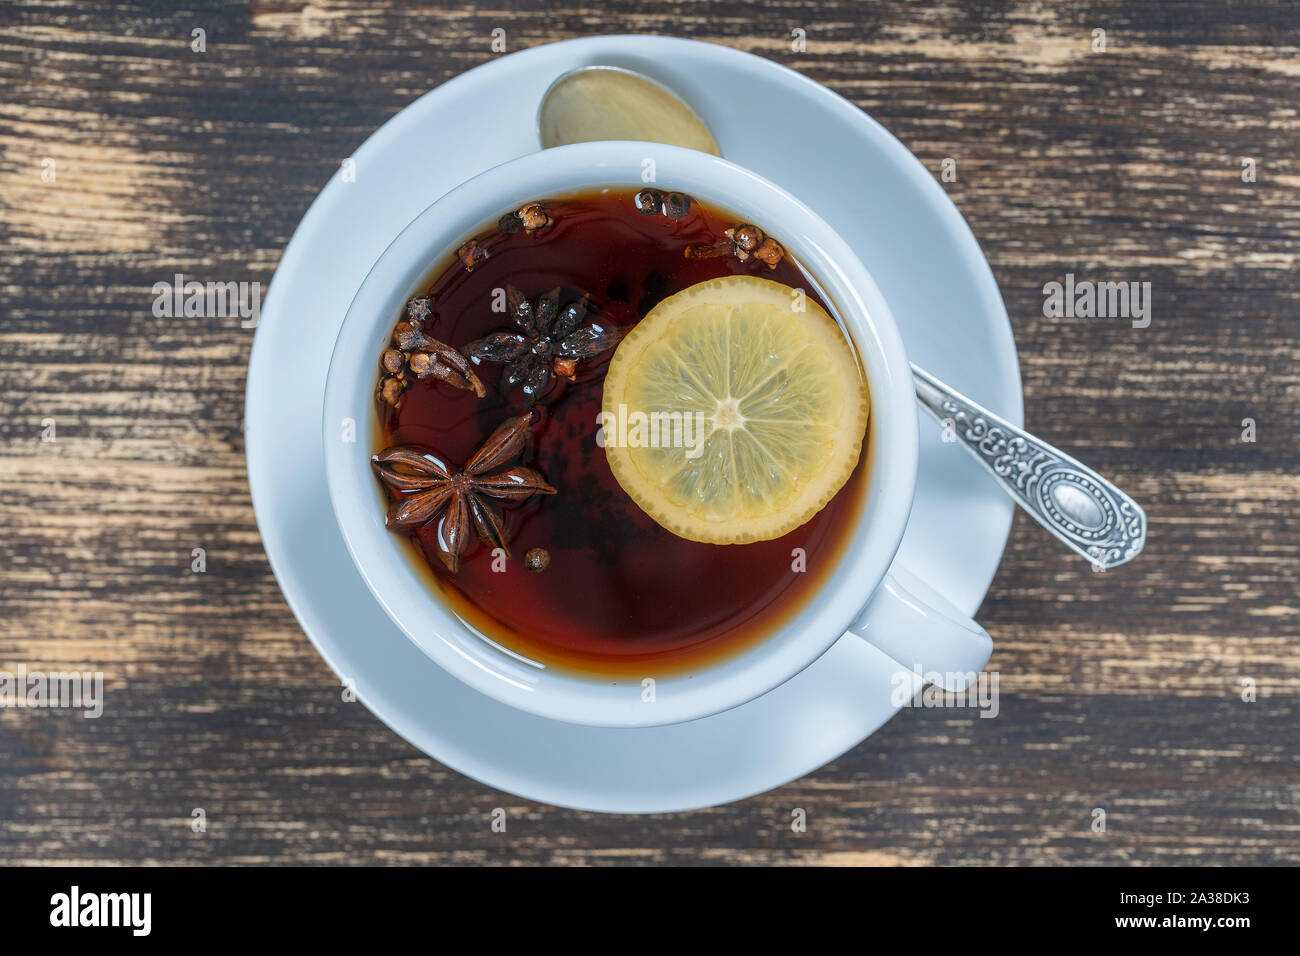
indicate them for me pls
(549, 342)
(429, 488)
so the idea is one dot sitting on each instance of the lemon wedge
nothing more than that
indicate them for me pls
(734, 411)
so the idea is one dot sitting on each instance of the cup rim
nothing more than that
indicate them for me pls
(383, 559)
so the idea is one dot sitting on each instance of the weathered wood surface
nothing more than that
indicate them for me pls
(1119, 691)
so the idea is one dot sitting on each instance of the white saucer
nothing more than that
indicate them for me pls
(844, 165)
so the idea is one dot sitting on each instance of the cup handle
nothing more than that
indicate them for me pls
(923, 631)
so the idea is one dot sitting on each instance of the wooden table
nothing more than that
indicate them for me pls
(1120, 691)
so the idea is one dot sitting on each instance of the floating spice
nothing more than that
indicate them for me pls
(549, 342)
(472, 254)
(649, 202)
(417, 357)
(430, 489)
(530, 218)
(742, 241)
(677, 205)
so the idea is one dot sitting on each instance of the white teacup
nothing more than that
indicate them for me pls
(862, 597)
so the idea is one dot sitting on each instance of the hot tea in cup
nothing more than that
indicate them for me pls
(600, 447)
(531, 494)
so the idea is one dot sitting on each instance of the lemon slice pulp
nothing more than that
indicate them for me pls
(734, 411)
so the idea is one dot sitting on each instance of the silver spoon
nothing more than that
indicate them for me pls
(1068, 498)
(1088, 513)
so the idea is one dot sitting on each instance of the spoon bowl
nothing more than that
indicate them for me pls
(596, 103)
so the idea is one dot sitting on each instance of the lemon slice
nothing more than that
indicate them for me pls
(771, 404)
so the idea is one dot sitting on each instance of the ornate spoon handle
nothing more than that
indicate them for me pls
(1069, 499)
